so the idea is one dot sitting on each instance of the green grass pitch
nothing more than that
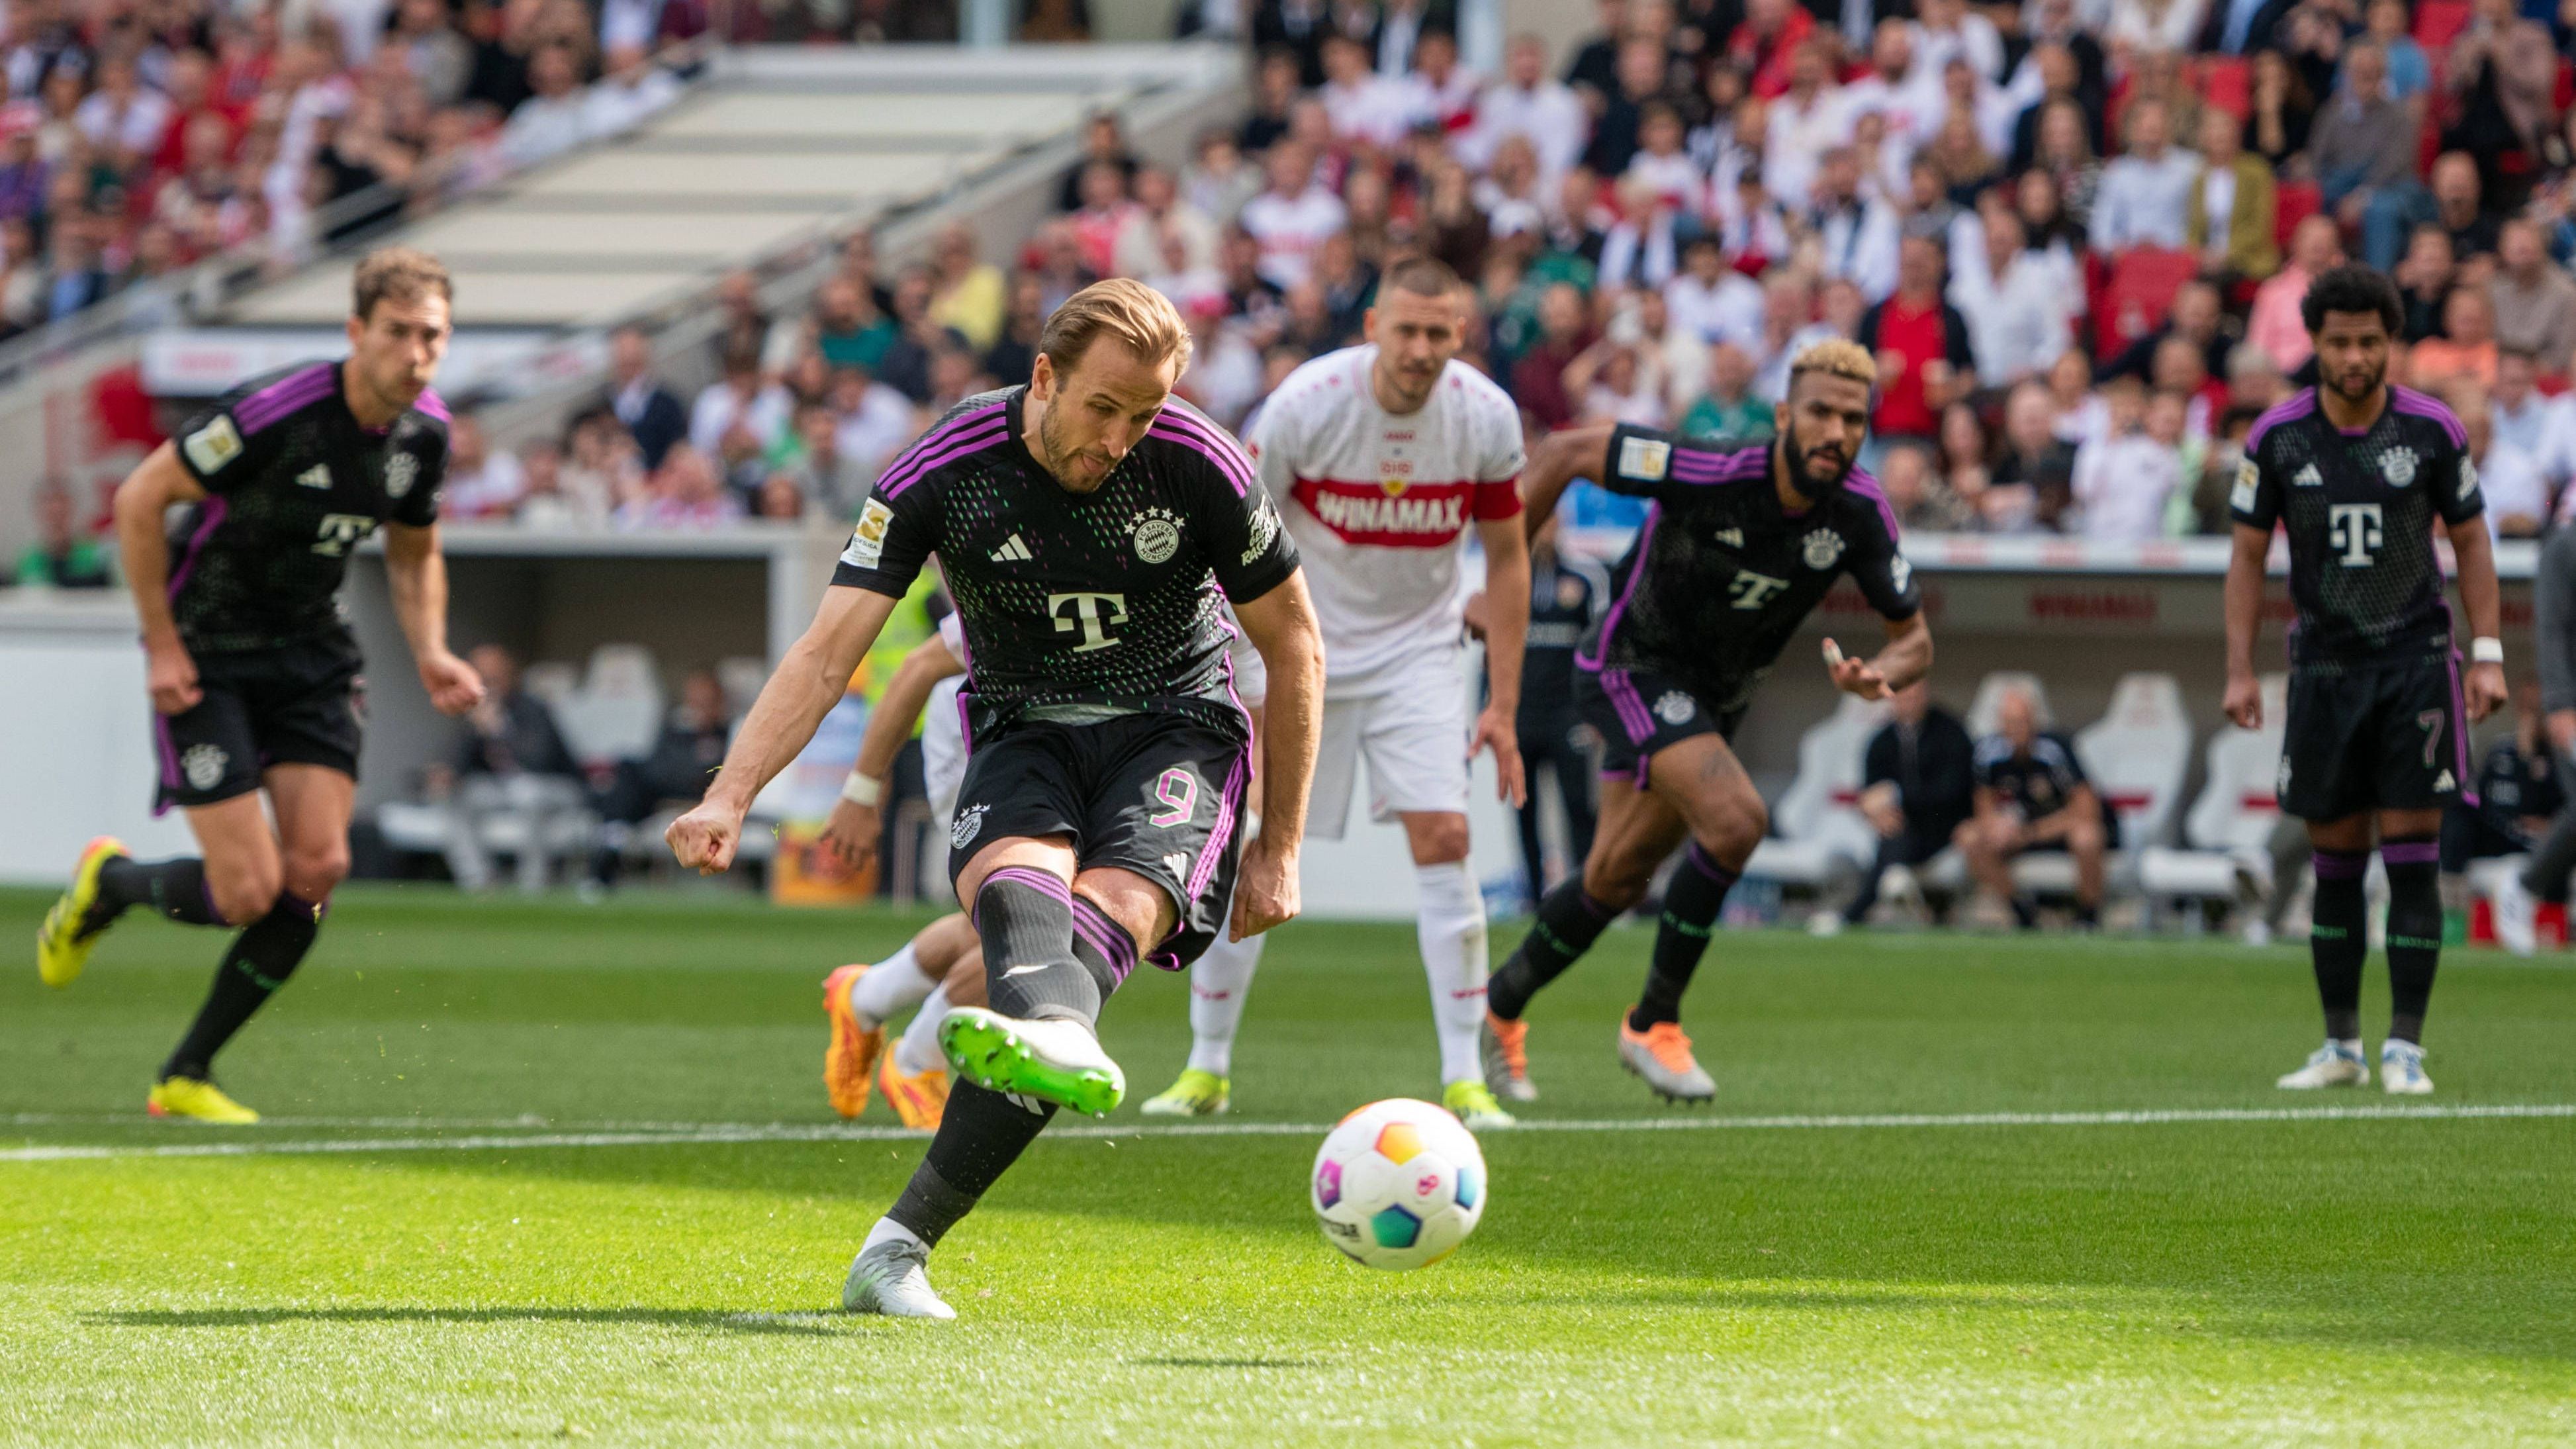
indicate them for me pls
(538, 1242)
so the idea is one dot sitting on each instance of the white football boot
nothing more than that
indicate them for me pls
(2336, 1064)
(2514, 912)
(2401, 1069)
(893, 1278)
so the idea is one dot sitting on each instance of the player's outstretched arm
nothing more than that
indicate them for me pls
(853, 829)
(1559, 459)
(1506, 621)
(803, 689)
(142, 506)
(2474, 554)
(1907, 658)
(1282, 627)
(2243, 702)
(416, 574)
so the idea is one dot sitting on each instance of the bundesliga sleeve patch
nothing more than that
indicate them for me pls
(2241, 497)
(867, 541)
(2468, 479)
(1644, 460)
(213, 445)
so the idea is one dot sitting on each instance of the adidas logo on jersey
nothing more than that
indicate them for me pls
(1011, 551)
(1178, 863)
(317, 476)
(2443, 781)
(2308, 477)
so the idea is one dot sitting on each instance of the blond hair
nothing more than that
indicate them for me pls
(1835, 357)
(405, 274)
(1128, 310)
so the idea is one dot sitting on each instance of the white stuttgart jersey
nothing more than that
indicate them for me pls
(1378, 504)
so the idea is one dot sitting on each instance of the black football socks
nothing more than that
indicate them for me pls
(261, 960)
(175, 889)
(2339, 938)
(1030, 967)
(1569, 921)
(2414, 931)
(980, 1135)
(1691, 906)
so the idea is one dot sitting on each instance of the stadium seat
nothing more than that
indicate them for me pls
(2139, 294)
(2439, 22)
(1819, 833)
(617, 713)
(742, 676)
(2137, 755)
(552, 681)
(2227, 833)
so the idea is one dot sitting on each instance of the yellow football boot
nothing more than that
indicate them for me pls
(197, 1102)
(62, 948)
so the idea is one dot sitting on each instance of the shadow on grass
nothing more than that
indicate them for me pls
(807, 1324)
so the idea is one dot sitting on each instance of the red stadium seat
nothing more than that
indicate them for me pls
(2140, 293)
(2294, 202)
(2227, 82)
(2439, 22)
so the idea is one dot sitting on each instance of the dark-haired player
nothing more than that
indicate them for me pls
(1740, 545)
(1091, 530)
(253, 673)
(2361, 476)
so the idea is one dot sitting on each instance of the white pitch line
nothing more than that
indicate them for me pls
(721, 1133)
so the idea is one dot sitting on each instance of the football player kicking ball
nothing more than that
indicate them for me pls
(1739, 545)
(252, 671)
(2361, 475)
(1090, 528)
(1381, 457)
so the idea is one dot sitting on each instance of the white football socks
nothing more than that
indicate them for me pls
(1449, 919)
(885, 989)
(888, 1230)
(918, 1051)
(1219, 981)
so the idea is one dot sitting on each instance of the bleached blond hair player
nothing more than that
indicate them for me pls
(1381, 460)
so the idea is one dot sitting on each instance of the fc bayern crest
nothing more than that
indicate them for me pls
(1157, 534)
(2398, 467)
(969, 824)
(1823, 547)
(401, 471)
(1675, 707)
(204, 765)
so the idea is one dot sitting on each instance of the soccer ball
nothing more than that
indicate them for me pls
(1399, 1184)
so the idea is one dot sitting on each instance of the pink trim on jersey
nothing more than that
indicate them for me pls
(1619, 606)
(209, 518)
(1860, 482)
(1698, 465)
(2424, 405)
(1174, 427)
(431, 403)
(285, 397)
(915, 460)
(2297, 405)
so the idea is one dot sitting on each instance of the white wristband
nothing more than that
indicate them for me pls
(862, 789)
(2486, 651)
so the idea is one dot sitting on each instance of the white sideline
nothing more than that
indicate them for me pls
(718, 1133)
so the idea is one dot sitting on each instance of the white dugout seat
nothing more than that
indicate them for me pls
(617, 713)
(1820, 833)
(2137, 755)
(2229, 828)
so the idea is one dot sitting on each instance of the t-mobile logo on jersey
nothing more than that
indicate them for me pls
(1090, 613)
(1753, 590)
(340, 530)
(2354, 528)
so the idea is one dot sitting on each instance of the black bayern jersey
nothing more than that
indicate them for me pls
(2360, 510)
(293, 482)
(1079, 607)
(1721, 575)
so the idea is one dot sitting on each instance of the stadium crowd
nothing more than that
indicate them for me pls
(138, 137)
(2074, 234)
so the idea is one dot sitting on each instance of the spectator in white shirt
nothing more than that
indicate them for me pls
(2155, 24)
(739, 410)
(2516, 493)
(1527, 104)
(1439, 89)
(875, 420)
(482, 482)
(1856, 236)
(1805, 122)
(1893, 90)
(1944, 28)
(2123, 479)
(1365, 108)
(123, 115)
(630, 89)
(1293, 217)
(2017, 311)
(552, 121)
(1714, 302)
(2542, 428)
(2146, 194)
